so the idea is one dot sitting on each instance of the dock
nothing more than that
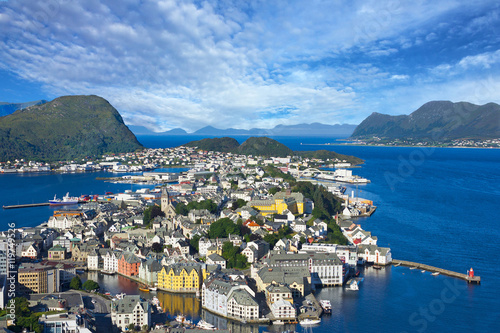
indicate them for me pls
(26, 205)
(432, 269)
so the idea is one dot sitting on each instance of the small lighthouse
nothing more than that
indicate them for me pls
(471, 273)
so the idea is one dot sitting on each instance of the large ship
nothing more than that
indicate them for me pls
(66, 200)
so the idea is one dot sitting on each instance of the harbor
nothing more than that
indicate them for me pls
(470, 277)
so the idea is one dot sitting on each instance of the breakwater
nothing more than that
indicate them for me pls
(26, 205)
(432, 269)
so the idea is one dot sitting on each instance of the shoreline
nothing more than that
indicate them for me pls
(392, 146)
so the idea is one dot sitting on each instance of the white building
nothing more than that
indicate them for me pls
(130, 310)
(326, 269)
(64, 323)
(229, 299)
(283, 310)
(110, 262)
(62, 222)
(374, 254)
(93, 260)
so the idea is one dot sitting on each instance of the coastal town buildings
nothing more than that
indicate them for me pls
(131, 309)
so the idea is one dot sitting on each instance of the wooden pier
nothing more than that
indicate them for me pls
(26, 205)
(432, 269)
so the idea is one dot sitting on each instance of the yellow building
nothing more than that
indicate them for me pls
(280, 202)
(183, 278)
(32, 281)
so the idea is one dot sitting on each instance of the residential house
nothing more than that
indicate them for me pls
(128, 264)
(131, 309)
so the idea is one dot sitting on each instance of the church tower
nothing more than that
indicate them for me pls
(165, 201)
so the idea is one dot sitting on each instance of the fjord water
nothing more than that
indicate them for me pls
(437, 206)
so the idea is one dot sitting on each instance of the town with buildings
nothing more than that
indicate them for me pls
(235, 232)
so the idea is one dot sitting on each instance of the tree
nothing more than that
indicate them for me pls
(157, 247)
(223, 228)
(90, 285)
(238, 204)
(131, 327)
(151, 212)
(274, 190)
(76, 283)
(195, 242)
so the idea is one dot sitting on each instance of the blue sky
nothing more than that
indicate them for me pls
(244, 64)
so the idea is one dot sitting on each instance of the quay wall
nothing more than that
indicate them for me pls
(475, 279)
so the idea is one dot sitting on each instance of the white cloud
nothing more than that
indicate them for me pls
(484, 60)
(174, 63)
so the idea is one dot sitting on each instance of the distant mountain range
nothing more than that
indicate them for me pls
(8, 108)
(66, 128)
(437, 121)
(303, 130)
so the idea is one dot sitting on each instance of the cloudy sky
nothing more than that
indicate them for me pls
(167, 64)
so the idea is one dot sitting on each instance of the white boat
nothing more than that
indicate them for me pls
(435, 273)
(354, 285)
(413, 267)
(153, 288)
(183, 320)
(326, 305)
(423, 271)
(307, 321)
(205, 326)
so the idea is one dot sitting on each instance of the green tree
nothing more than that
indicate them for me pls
(157, 247)
(238, 204)
(223, 228)
(131, 327)
(76, 283)
(195, 242)
(90, 285)
(274, 190)
(150, 213)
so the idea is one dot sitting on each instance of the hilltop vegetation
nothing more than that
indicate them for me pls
(263, 146)
(66, 128)
(224, 145)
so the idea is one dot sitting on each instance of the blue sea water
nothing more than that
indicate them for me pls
(438, 206)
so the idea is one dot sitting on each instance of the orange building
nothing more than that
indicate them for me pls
(128, 264)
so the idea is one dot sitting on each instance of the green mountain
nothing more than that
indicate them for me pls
(436, 121)
(8, 108)
(328, 154)
(66, 128)
(225, 145)
(263, 146)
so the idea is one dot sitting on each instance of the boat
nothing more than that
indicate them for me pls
(107, 272)
(205, 326)
(79, 271)
(66, 200)
(377, 267)
(413, 267)
(326, 305)
(354, 286)
(182, 319)
(435, 273)
(423, 271)
(153, 288)
(309, 321)
(146, 290)
(120, 296)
